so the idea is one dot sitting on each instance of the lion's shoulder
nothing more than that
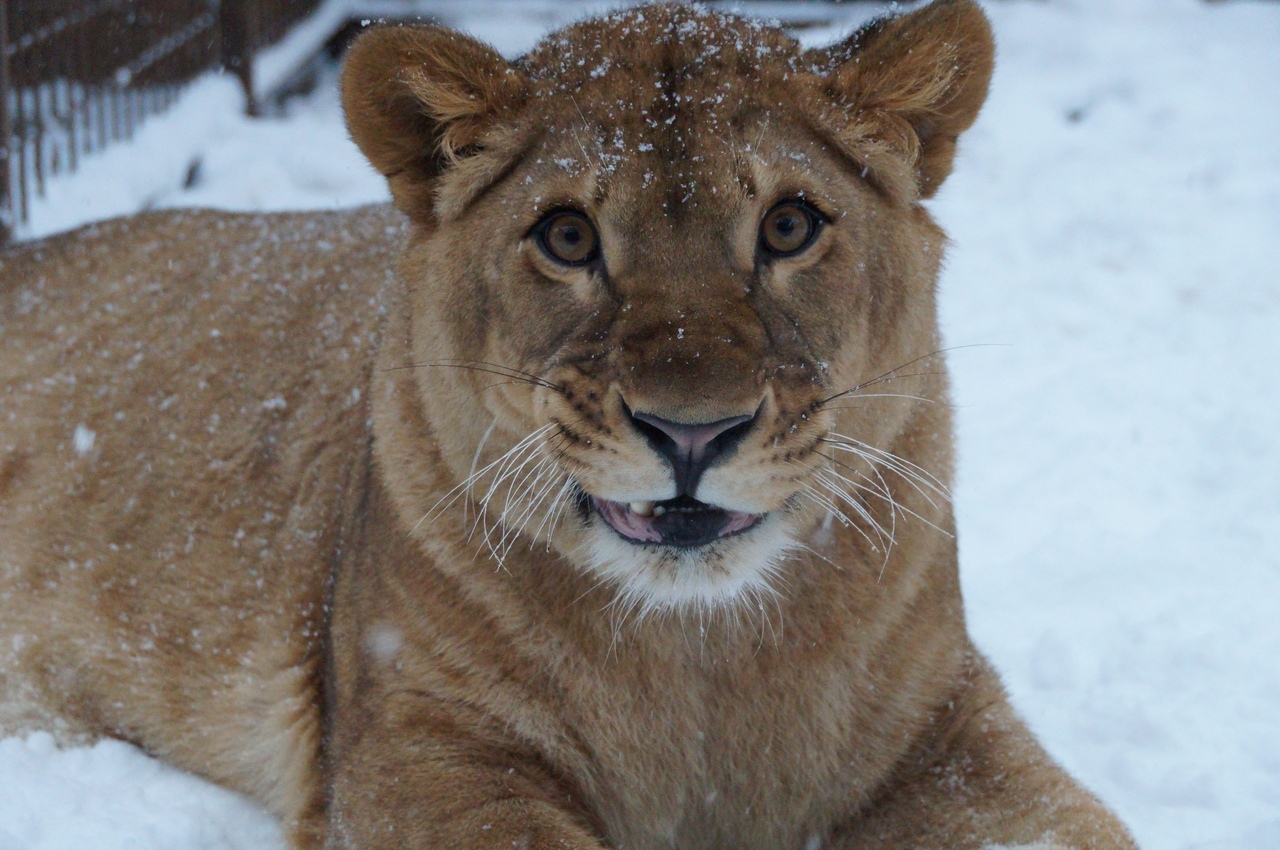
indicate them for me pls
(175, 346)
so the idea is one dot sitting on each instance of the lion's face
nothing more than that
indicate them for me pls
(649, 291)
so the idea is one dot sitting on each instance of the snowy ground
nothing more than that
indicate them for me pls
(1116, 217)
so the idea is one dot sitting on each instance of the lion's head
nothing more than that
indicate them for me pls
(655, 264)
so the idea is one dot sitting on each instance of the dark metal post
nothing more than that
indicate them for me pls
(6, 130)
(240, 26)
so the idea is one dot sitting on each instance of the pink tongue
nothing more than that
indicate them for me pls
(737, 522)
(628, 522)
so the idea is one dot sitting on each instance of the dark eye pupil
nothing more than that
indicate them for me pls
(787, 229)
(569, 238)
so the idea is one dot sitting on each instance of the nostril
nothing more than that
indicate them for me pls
(729, 438)
(656, 436)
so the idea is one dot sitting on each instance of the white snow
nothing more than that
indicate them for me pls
(112, 797)
(1116, 261)
(82, 440)
(1116, 217)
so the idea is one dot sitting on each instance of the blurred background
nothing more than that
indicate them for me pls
(1112, 291)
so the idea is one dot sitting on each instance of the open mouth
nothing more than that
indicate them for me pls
(682, 521)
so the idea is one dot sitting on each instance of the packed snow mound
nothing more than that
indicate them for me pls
(112, 797)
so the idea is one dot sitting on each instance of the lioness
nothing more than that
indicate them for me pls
(612, 515)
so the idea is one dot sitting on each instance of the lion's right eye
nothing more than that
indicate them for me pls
(789, 228)
(569, 237)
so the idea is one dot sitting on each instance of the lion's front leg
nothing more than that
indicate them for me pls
(985, 783)
(415, 777)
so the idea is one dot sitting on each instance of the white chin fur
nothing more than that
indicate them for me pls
(652, 578)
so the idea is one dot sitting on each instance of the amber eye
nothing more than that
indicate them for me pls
(788, 228)
(569, 237)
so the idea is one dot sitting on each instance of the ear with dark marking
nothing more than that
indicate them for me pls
(419, 99)
(924, 74)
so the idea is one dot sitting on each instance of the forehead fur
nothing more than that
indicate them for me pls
(677, 43)
(658, 69)
(678, 80)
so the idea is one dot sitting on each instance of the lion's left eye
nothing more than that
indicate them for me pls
(569, 237)
(789, 228)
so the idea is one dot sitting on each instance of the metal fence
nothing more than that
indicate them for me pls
(78, 75)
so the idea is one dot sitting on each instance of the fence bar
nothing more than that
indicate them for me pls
(7, 222)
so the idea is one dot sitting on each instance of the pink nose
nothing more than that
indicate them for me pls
(691, 448)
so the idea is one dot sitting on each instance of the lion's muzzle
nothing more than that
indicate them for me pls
(690, 449)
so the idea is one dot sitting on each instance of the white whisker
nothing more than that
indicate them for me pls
(464, 487)
(859, 507)
(857, 396)
(824, 503)
(821, 556)
(920, 479)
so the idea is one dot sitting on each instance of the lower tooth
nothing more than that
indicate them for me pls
(658, 510)
(642, 508)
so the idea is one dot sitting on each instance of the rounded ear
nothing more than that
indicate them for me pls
(419, 98)
(928, 70)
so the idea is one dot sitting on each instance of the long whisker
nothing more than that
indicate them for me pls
(553, 512)
(484, 520)
(913, 479)
(507, 468)
(827, 504)
(883, 491)
(508, 372)
(902, 466)
(892, 533)
(510, 477)
(571, 498)
(475, 461)
(861, 396)
(881, 377)
(464, 486)
(461, 363)
(536, 495)
(819, 555)
(564, 498)
(831, 481)
(823, 502)
(518, 491)
(892, 374)
(516, 502)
